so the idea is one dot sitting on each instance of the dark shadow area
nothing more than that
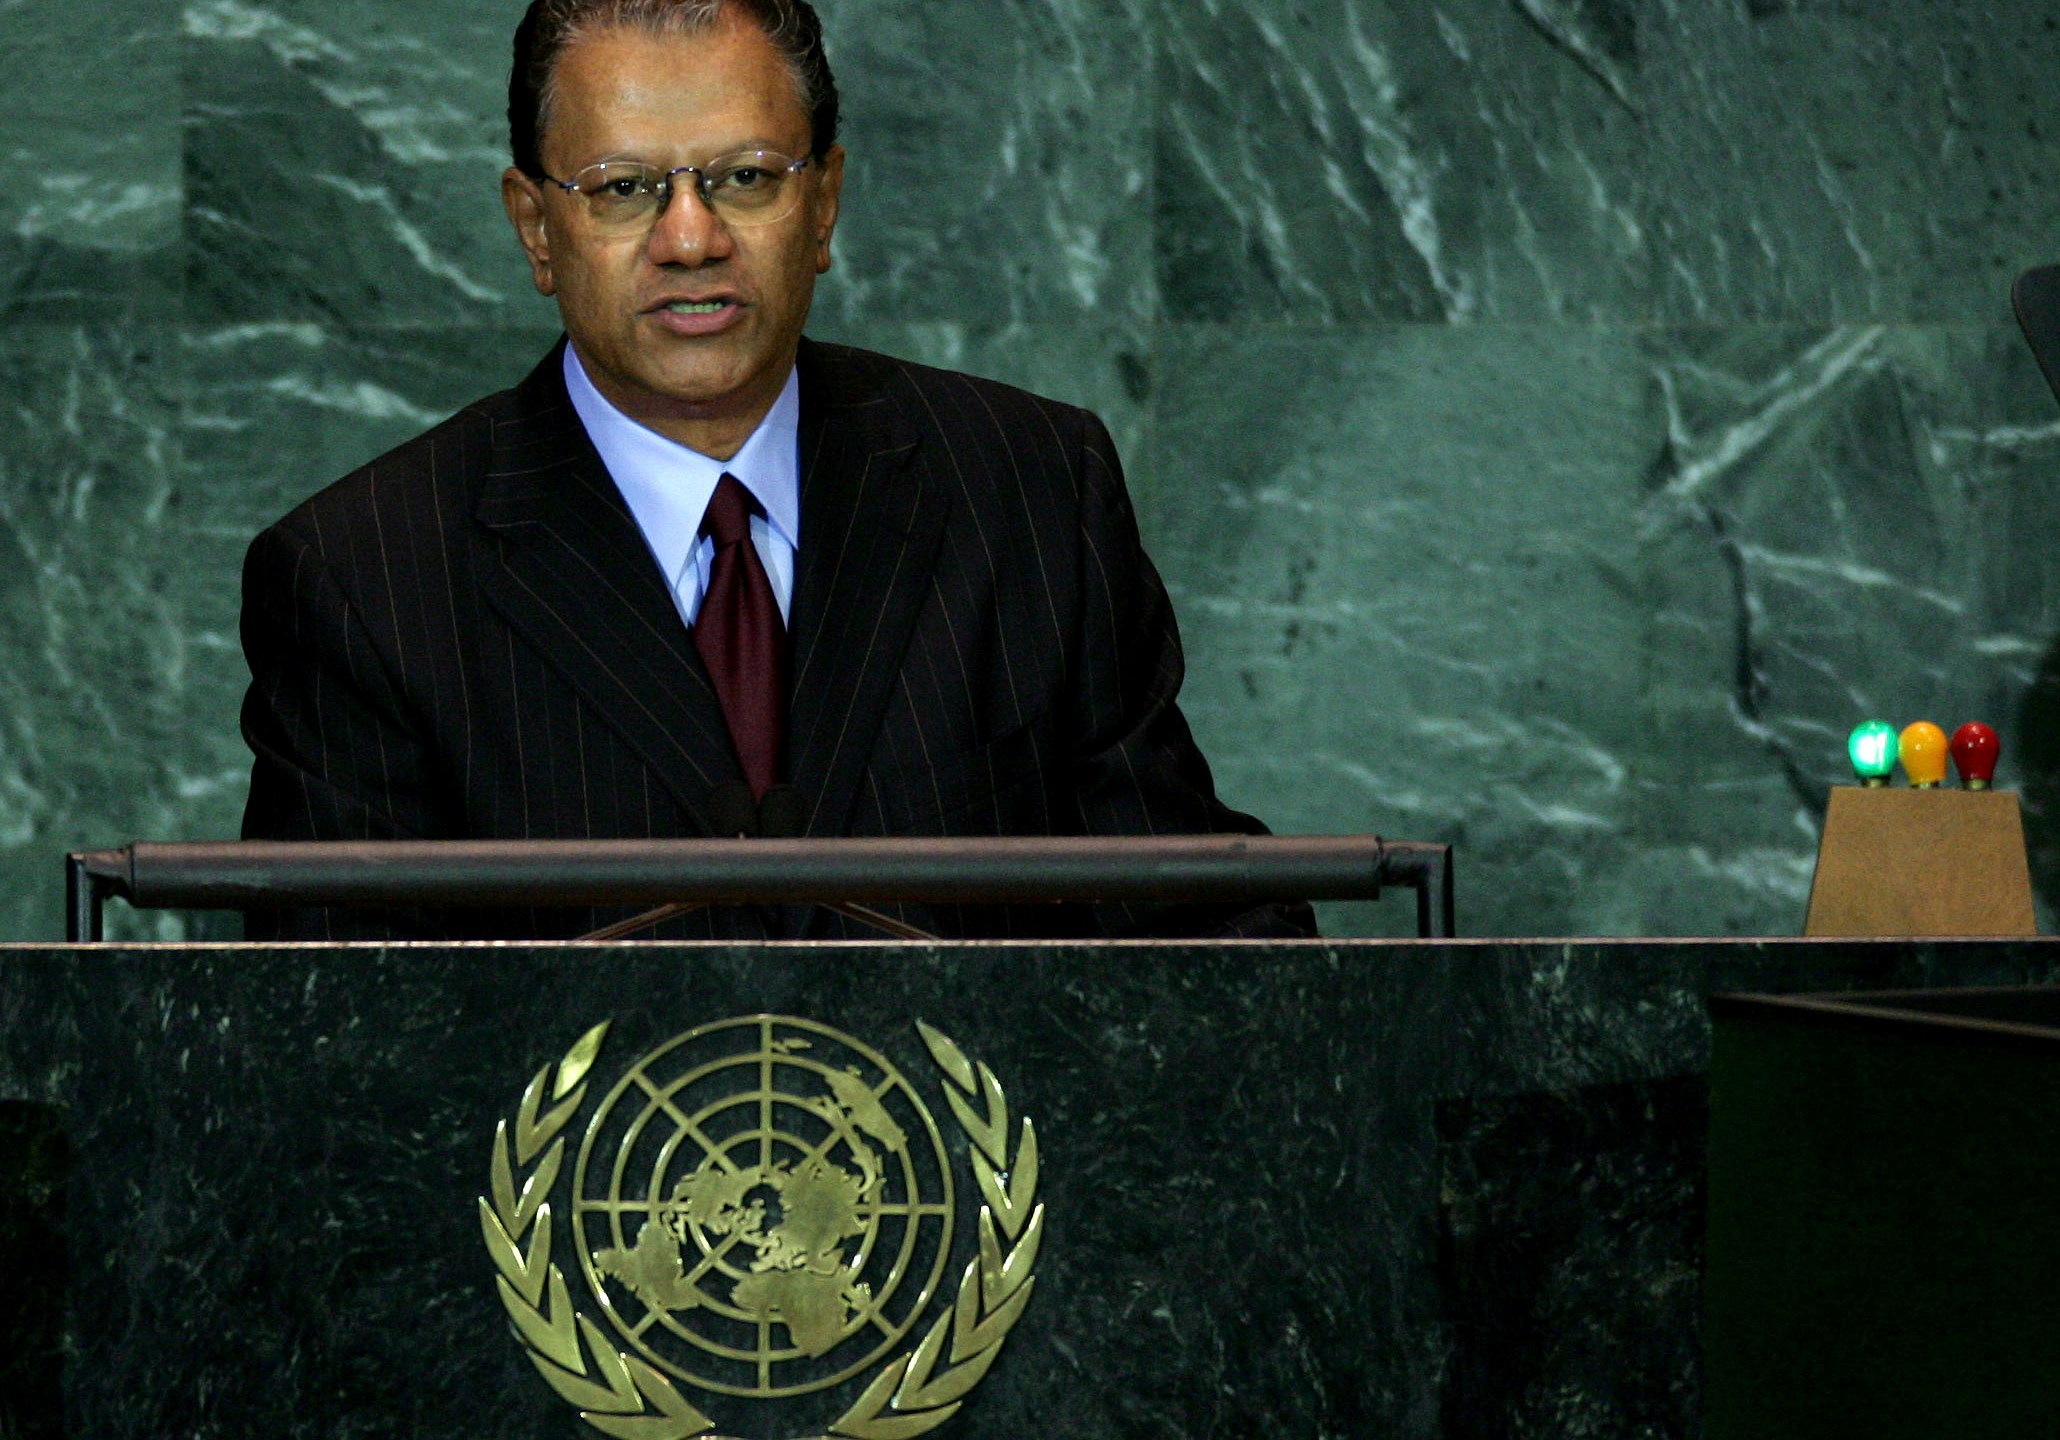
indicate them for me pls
(1570, 1260)
(2036, 299)
(34, 1166)
(2038, 728)
(1880, 1241)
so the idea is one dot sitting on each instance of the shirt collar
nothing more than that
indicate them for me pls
(667, 485)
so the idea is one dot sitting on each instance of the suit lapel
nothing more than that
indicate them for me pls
(578, 582)
(870, 528)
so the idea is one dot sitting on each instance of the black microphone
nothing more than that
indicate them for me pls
(2036, 299)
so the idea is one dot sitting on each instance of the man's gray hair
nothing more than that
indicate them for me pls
(794, 28)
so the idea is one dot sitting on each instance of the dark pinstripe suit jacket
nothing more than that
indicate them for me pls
(469, 638)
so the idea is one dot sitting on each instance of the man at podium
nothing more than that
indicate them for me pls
(698, 575)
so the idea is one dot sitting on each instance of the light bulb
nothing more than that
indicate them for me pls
(1975, 749)
(1872, 749)
(1922, 748)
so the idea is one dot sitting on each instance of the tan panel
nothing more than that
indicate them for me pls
(1921, 862)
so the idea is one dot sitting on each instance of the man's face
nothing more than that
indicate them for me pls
(703, 378)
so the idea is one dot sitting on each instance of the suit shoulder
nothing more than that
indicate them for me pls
(431, 474)
(955, 395)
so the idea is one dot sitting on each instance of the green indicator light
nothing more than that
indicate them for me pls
(1872, 748)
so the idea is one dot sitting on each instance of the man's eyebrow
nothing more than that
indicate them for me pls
(707, 152)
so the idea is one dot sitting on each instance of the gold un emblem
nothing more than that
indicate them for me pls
(761, 1208)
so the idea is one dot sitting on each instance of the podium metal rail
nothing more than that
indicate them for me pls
(846, 874)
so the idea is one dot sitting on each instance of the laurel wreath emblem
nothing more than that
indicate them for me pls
(621, 1395)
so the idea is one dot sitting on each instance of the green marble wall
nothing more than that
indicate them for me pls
(1558, 420)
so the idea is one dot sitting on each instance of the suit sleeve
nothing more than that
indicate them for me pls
(1138, 770)
(336, 757)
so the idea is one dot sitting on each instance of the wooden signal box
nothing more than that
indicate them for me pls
(1921, 862)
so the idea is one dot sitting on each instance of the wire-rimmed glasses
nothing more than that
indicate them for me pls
(751, 187)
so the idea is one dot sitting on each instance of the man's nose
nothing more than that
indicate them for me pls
(686, 231)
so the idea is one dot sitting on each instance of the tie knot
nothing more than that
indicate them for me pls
(727, 520)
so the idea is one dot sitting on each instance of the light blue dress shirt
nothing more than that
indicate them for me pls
(668, 487)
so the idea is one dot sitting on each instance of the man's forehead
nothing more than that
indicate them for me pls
(622, 65)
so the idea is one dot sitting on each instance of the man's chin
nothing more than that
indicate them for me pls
(712, 397)
(703, 404)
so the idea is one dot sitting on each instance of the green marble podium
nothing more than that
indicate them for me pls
(1406, 1189)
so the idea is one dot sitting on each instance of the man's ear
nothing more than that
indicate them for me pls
(524, 202)
(828, 192)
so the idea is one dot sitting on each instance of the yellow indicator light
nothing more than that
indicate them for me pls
(1922, 748)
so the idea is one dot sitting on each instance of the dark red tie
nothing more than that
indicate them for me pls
(742, 640)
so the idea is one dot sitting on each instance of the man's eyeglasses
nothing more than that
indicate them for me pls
(754, 187)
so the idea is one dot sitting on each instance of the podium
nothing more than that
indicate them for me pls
(1414, 1188)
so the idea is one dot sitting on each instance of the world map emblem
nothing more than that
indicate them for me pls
(761, 1208)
